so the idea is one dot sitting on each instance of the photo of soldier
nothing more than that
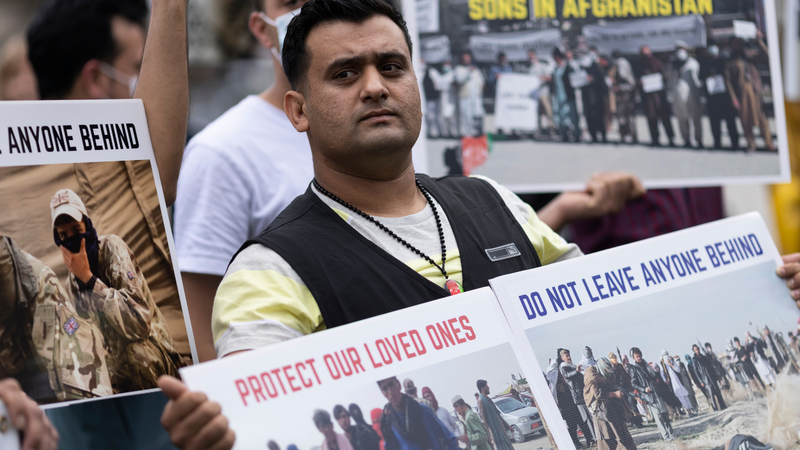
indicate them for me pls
(55, 353)
(93, 302)
(107, 284)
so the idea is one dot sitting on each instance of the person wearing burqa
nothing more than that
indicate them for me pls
(441, 412)
(703, 371)
(409, 425)
(609, 410)
(744, 86)
(361, 435)
(562, 393)
(491, 417)
(644, 380)
(594, 97)
(655, 103)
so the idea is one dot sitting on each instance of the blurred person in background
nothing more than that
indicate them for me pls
(686, 95)
(238, 174)
(96, 49)
(17, 80)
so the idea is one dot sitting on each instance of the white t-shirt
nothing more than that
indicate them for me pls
(237, 175)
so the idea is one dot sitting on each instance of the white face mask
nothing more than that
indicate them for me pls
(281, 23)
(682, 55)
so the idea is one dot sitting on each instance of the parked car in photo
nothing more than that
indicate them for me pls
(523, 420)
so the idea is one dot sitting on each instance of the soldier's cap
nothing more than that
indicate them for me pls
(66, 201)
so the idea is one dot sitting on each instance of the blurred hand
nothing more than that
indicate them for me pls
(26, 416)
(790, 271)
(78, 263)
(736, 105)
(192, 420)
(605, 193)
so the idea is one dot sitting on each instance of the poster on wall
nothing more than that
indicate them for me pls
(92, 306)
(688, 332)
(623, 86)
(434, 376)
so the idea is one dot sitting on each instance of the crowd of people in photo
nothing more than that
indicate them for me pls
(604, 397)
(720, 81)
(410, 422)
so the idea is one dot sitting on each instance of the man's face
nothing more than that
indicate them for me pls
(485, 390)
(460, 408)
(129, 38)
(391, 390)
(344, 420)
(708, 349)
(646, 51)
(532, 57)
(565, 357)
(696, 350)
(467, 59)
(637, 357)
(361, 100)
(71, 228)
(428, 396)
(738, 344)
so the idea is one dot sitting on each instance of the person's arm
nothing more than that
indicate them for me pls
(476, 433)
(164, 89)
(201, 289)
(123, 302)
(605, 193)
(26, 416)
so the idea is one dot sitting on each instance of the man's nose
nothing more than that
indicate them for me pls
(374, 85)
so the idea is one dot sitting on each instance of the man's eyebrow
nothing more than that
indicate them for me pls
(358, 60)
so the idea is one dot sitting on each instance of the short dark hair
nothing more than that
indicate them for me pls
(708, 344)
(66, 34)
(295, 56)
(736, 339)
(696, 346)
(338, 410)
(321, 417)
(481, 384)
(635, 351)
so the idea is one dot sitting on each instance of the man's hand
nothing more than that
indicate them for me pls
(617, 394)
(790, 271)
(78, 263)
(735, 102)
(605, 193)
(192, 420)
(27, 417)
(648, 390)
(463, 438)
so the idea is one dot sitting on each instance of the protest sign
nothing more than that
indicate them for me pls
(706, 287)
(516, 101)
(444, 346)
(99, 309)
(580, 126)
(652, 83)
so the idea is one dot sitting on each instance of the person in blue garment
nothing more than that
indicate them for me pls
(408, 425)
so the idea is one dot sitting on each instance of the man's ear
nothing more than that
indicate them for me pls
(294, 104)
(260, 30)
(92, 81)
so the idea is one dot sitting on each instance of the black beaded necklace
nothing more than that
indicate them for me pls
(453, 286)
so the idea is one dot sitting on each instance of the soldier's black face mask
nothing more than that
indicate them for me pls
(73, 243)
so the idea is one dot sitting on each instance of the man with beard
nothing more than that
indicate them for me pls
(573, 375)
(407, 425)
(491, 417)
(108, 285)
(643, 379)
(361, 436)
(703, 371)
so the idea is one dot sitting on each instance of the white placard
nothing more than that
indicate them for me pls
(517, 102)
(716, 85)
(579, 79)
(287, 382)
(705, 284)
(653, 83)
(101, 150)
(744, 29)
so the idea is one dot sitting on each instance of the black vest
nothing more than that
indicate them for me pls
(352, 279)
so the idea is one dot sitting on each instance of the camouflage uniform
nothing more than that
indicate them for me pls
(138, 342)
(55, 353)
